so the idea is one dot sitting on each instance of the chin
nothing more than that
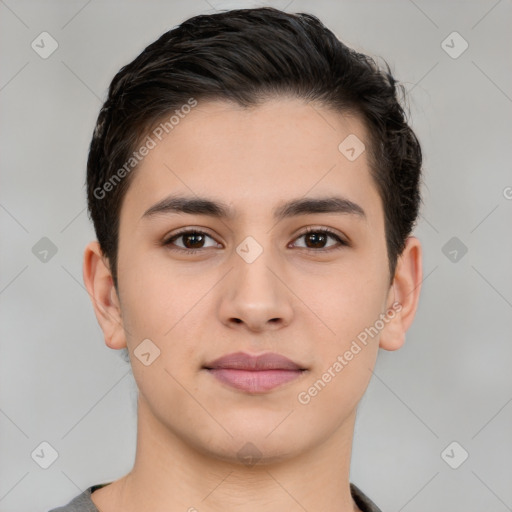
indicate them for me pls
(253, 445)
(252, 452)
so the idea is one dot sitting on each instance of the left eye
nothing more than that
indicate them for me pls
(316, 237)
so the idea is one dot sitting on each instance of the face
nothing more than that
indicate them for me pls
(303, 282)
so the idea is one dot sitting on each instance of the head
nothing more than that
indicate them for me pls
(246, 111)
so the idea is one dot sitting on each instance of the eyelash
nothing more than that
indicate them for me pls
(342, 243)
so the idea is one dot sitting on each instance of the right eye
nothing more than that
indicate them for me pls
(192, 241)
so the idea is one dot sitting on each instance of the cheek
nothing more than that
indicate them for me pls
(158, 297)
(336, 390)
(344, 359)
(349, 303)
(344, 299)
(168, 309)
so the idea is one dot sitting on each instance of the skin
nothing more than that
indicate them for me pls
(306, 305)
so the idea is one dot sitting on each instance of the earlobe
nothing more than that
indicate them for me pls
(98, 281)
(404, 294)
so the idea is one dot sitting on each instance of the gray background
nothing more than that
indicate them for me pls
(450, 382)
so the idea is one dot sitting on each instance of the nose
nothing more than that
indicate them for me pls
(255, 296)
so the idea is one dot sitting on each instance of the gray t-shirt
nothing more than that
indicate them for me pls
(83, 502)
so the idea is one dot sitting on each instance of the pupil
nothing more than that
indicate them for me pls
(196, 240)
(318, 238)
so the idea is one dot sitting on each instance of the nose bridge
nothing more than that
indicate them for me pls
(255, 295)
(252, 264)
(254, 281)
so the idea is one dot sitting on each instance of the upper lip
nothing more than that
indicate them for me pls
(243, 361)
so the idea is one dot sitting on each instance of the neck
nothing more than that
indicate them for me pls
(168, 471)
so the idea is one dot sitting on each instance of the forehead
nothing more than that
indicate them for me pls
(254, 158)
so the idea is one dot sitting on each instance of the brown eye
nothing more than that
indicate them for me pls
(190, 241)
(316, 240)
(193, 240)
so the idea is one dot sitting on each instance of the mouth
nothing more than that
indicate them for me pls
(254, 374)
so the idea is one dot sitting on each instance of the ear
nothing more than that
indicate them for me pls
(403, 296)
(100, 285)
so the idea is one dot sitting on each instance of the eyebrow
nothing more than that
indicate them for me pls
(302, 206)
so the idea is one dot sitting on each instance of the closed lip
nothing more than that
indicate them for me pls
(249, 362)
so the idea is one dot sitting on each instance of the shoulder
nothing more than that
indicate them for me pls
(362, 501)
(82, 502)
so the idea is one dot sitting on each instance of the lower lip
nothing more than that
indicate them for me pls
(254, 381)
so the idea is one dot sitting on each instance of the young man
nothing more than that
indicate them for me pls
(253, 185)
